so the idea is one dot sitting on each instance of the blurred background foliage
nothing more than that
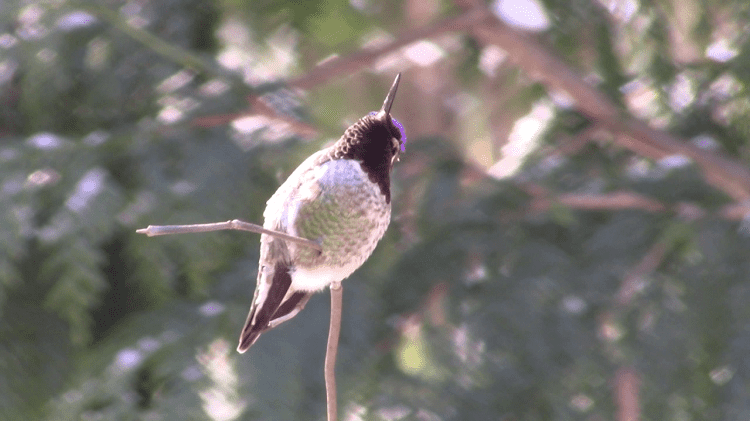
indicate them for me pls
(538, 266)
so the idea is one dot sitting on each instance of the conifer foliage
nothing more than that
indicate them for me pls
(601, 275)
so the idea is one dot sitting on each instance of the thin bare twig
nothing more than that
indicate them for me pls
(234, 224)
(334, 329)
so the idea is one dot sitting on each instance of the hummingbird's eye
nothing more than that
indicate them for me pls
(399, 133)
(396, 145)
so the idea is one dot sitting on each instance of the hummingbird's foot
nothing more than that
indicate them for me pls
(336, 285)
(319, 249)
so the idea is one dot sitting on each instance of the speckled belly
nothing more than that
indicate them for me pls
(348, 217)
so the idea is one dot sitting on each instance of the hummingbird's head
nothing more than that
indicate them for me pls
(376, 139)
(396, 131)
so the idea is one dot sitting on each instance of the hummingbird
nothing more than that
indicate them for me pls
(339, 197)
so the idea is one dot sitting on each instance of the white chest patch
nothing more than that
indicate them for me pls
(340, 179)
(312, 280)
(340, 172)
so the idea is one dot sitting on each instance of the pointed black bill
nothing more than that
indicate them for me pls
(390, 97)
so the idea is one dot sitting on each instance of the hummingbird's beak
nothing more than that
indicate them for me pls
(386, 110)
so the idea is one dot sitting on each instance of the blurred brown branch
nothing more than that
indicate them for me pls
(726, 174)
(627, 384)
(542, 200)
(258, 107)
(615, 200)
(339, 66)
(634, 279)
(345, 65)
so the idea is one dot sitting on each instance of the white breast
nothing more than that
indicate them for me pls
(338, 172)
(312, 280)
(331, 176)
